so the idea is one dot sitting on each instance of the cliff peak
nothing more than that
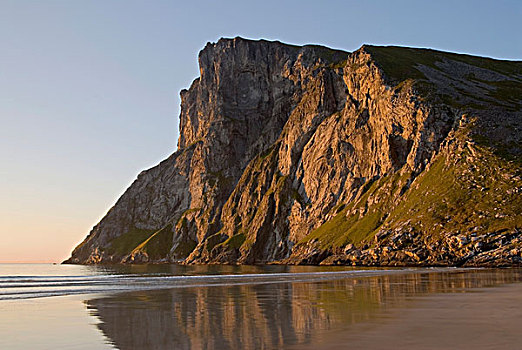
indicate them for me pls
(306, 154)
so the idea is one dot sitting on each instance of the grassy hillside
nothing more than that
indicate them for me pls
(467, 189)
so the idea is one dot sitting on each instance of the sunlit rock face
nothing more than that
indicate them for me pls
(383, 156)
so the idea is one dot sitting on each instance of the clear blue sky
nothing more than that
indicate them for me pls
(89, 89)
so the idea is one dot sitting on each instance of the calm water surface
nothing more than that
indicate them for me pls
(268, 307)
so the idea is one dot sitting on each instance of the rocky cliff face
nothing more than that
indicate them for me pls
(383, 156)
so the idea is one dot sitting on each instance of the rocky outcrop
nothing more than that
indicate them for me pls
(383, 156)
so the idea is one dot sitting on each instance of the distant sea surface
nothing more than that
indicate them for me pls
(45, 306)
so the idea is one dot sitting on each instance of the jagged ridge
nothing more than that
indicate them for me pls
(308, 155)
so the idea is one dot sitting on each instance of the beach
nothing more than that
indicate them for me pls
(233, 307)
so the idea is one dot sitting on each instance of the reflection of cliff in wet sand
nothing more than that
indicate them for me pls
(283, 315)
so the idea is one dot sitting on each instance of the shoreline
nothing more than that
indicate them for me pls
(298, 307)
(154, 283)
(517, 264)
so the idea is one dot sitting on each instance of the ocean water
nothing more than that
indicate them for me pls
(44, 306)
(29, 281)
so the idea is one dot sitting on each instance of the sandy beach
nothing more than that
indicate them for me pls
(270, 307)
(486, 318)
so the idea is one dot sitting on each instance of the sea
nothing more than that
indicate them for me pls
(47, 306)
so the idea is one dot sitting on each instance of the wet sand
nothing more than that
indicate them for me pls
(486, 318)
(254, 308)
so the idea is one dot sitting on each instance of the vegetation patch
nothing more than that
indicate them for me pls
(401, 63)
(477, 192)
(184, 248)
(473, 190)
(331, 56)
(338, 64)
(126, 243)
(509, 91)
(357, 221)
(294, 194)
(218, 178)
(182, 221)
(214, 240)
(233, 242)
(158, 245)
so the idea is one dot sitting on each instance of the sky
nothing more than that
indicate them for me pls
(89, 90)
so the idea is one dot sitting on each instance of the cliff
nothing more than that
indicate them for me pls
(308, 155)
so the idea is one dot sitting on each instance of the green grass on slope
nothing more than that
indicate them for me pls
(400, 62)
(472, 191)
(184, 248)
(158, 245)
(357, 221)
(233, 242)
(476, 192)
(125, 243)
(331, 56)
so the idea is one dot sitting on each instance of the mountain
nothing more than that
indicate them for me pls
(305, 155)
